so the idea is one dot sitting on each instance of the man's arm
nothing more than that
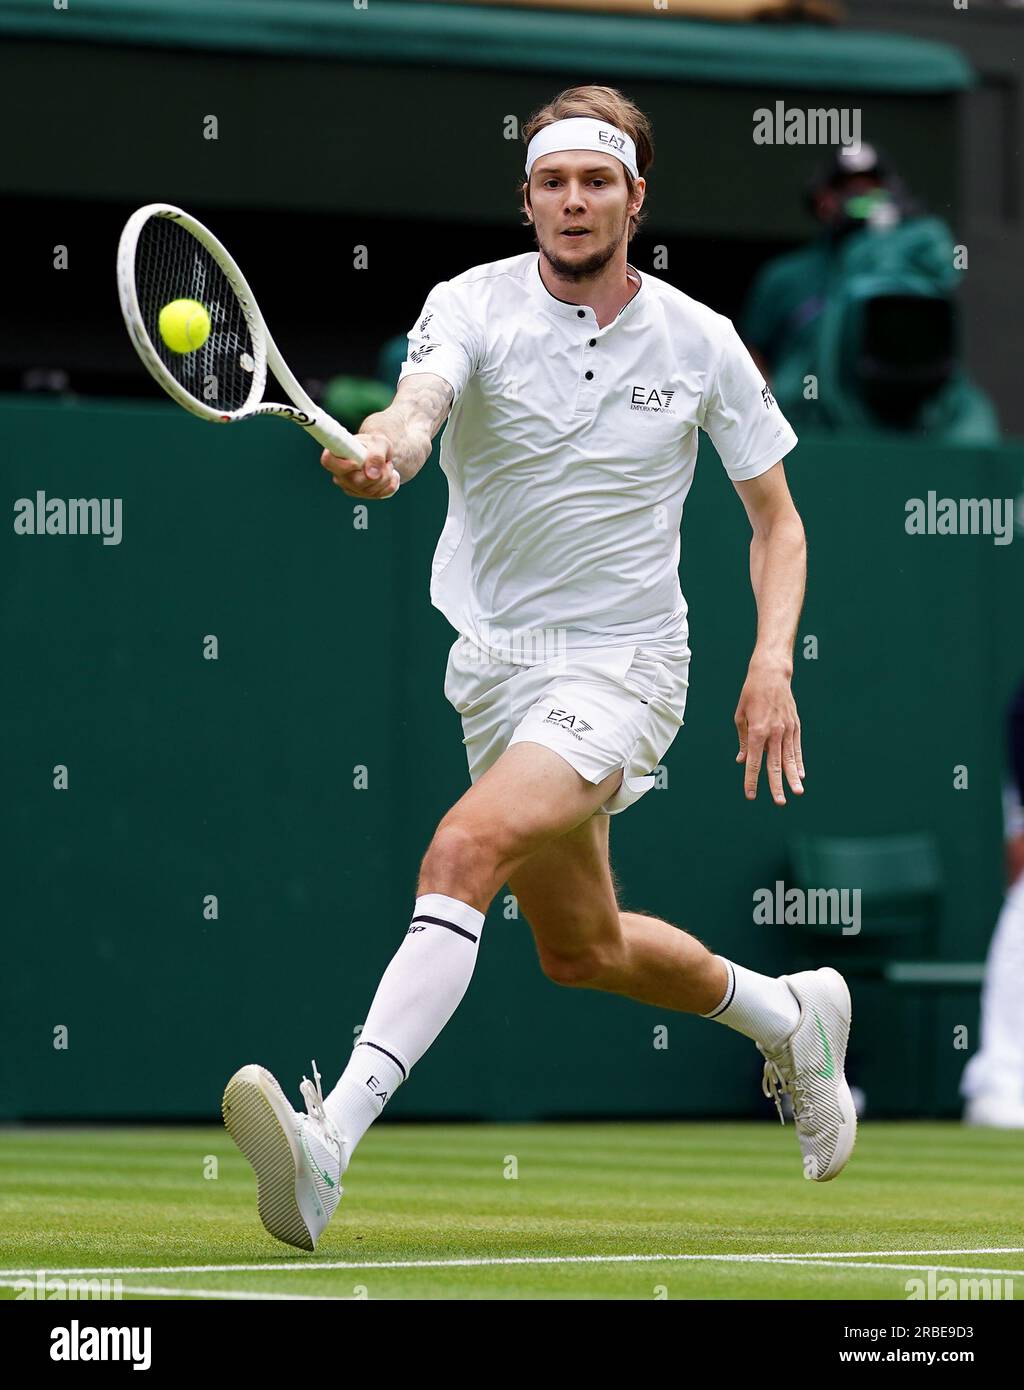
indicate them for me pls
(398, 438)
(766, 716)
(760, 362)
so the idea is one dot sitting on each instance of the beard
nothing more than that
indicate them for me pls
(581, 269)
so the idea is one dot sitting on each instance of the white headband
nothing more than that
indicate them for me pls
(582, 133)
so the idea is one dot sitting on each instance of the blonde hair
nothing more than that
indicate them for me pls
(604, 104)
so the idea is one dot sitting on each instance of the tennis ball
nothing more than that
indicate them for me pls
(184, 325)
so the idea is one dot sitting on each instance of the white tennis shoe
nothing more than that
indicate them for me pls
(808, 1067)
(298, 1159)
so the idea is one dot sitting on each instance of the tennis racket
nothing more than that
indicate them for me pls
(164, 255)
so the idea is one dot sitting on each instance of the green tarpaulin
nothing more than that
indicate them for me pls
(389, 31)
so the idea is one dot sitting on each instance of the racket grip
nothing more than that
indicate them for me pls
(332, 436)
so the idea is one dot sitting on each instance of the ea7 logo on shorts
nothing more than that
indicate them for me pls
(649, 399)
(562, 719)
(609, 137)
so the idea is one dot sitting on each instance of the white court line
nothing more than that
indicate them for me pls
(252, 1295)
(301, 1266)
(878, 1264)
(874, 1254)
(156, 1292)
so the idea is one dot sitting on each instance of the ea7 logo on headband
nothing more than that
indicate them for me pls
(609, 137)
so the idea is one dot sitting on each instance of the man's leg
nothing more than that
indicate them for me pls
(800, 1023)
(566, 891)
(528, 796)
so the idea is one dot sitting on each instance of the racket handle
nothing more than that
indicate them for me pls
(325, 430)
(336, 438)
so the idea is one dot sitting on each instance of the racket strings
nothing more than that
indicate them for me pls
(170, 263)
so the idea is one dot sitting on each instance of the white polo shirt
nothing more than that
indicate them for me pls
(569, 452)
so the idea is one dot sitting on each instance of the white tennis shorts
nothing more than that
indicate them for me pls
(600, 708)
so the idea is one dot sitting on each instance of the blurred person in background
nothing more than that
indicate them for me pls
(860, 328)
(788, 295)
(993, 1080)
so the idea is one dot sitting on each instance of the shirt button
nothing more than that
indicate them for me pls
(580, 314)
(592, 342)
(589, 375)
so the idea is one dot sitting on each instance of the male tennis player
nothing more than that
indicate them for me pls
(574, 387)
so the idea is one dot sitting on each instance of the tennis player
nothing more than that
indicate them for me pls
(574, 387)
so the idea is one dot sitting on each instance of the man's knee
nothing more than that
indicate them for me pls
(461, 852)
(591, 965)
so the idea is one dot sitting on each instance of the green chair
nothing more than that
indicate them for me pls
(900, 883)
(899, 879)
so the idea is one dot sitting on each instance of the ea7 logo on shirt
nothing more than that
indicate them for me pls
(425, 320)
(768, 398)
(418, 354)
(562, 719)
(649, 400)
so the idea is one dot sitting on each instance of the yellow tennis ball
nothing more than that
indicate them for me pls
(184, 325)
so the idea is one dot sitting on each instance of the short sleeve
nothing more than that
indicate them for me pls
(741, 415)
(443, 340)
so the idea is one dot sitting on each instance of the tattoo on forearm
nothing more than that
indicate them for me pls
(420, 408)
(426, 401)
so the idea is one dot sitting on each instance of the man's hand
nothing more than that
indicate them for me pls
(374, 478)
(767, 723)
(397, 440)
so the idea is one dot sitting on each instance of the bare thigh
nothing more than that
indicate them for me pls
(530, 796)
(566, 891)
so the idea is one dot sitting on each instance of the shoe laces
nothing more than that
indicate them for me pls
(777, 1082)
(313, 1095)
(317, 1116)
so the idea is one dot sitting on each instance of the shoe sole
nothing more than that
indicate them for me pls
(848, 1130)
(250, 1110)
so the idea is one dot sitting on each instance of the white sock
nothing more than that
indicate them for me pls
(759, 1006)
(417, 995)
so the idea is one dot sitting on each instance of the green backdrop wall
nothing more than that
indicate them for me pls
(303, 146)
(235, 777)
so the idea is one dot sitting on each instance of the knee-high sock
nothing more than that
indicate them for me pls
(418, 993)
